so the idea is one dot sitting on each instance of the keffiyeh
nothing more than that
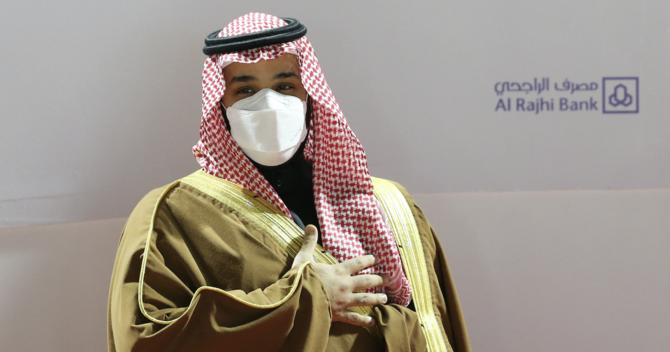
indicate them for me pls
(350, 220)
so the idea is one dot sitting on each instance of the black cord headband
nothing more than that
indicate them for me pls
(292, 31)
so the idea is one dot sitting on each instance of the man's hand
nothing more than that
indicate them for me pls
(341, 285)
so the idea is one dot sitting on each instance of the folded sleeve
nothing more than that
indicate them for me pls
(163, 297)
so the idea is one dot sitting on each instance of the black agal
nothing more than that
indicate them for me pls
(292, 31)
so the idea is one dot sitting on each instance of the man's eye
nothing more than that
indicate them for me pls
(282, 87)
(245, 90)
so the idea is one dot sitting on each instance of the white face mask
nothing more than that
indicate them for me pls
(268, 126)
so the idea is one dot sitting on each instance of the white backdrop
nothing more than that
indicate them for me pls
(100, 101)
(555, 223)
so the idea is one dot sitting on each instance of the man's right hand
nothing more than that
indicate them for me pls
(341, 285)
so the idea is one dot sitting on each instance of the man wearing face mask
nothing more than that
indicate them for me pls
(283, 241)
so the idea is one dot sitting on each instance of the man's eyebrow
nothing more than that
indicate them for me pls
(243, 78)
(286, 74)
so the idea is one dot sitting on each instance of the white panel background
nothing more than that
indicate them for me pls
(100, 102)
(99, 97)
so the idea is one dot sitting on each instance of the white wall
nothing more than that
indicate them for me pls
(55, 281)
(555, 223)
(559, 271)
(98, 97)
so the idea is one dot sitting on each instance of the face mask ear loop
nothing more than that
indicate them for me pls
(223, 114)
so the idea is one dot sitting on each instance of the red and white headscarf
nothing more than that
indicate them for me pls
(351, 223)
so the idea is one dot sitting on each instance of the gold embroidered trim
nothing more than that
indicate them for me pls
(261, 212)
(140, 293)
(407, 238)
(264, 215)
(145, 255)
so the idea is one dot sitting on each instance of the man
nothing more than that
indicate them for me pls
(222, 259)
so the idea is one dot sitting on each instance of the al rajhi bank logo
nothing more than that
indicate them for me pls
(612, 95)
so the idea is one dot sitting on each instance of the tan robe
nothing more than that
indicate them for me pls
(214, 281)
